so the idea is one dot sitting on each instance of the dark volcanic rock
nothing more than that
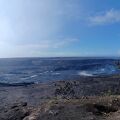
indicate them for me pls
(17, 111)
(99, 109)
(91, 108)
(65, 90)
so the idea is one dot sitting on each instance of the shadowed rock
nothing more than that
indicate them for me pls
(17, 111)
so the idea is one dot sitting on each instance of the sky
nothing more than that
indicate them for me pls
(56, 28)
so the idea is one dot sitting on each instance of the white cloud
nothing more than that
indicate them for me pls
(28, 21)
(32, 25)
(63, 42)
(50, 44)
(108, 17)
(44, 48)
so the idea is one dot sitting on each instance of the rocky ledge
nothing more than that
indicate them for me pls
(89, 108)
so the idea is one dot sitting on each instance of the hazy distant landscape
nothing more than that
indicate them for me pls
(38, 70)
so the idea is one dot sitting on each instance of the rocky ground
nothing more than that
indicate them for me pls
(89, 108)
(89, 98)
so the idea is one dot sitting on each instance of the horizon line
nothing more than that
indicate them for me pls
(17, 57)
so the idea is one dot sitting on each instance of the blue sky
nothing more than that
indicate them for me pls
(44, 28)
